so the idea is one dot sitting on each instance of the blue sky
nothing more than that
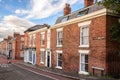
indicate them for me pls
(18, 15)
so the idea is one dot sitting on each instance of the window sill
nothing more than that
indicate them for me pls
(58, 67)
(83, 72)
(84, 46)
(42, 45)
(41, 62)
(59, 46)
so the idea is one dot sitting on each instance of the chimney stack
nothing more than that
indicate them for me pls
(67, 9)
(16, 34)
(88, 3)
(9, 37)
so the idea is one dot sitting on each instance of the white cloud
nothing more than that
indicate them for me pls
(45, 8)
(13, 23)
(19, 11)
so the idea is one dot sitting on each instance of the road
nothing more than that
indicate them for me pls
(13, 72)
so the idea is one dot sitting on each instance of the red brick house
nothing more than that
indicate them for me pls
(80, 41)
(36, 44)
(19, 45)
(16, 45)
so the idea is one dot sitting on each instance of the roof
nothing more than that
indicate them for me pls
(79, 13)
(36, 27)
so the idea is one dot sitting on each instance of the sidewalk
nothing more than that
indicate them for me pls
(74, 76)
(4, 59)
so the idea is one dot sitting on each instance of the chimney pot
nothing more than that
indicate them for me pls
(67, 9)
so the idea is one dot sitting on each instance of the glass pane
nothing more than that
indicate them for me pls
(59, 63)
(86, 58)
(60, 56)
(42, 56)
(85, 31)
(86, 67)
(59, 59)
(64, 19)
(82, 58)
(85, 40)
(82, 67)
(84, 62)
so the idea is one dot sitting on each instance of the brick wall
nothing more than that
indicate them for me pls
(71, 42)
(38, 47)
(97, 56)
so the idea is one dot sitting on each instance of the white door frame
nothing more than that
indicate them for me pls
(46, 57)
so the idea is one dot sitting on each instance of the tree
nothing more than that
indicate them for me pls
(115, 6)
(111, 4)
(115, 33)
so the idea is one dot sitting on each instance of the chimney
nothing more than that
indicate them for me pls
(16, 34)
(88, 3)
(5, 39)
(67, 9)
(9, 37)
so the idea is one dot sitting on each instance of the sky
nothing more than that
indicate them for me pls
(19, 15)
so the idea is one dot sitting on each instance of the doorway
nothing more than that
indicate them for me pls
(48, 59)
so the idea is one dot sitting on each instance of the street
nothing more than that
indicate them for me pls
(13, 72)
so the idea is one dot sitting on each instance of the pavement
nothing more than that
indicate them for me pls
(74, 76)
(51, 72)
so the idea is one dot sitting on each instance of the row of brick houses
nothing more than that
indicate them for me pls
(79, 42)
(12, 46)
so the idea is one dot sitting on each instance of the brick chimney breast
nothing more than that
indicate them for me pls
(88, 3)
(67, 9)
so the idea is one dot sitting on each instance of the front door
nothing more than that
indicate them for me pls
(48, 59)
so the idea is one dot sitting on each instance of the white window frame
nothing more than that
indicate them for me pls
(42, 50)
(58, 52)
(83, 52)
(59, 30)
(42, 34)
(82, 25)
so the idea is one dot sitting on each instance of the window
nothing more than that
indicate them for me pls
(84, 38)
(59, 59)
(59, 37)
(22, 38)
(22, 46)
(84, 61)
(65, 19)
(82, 13)
(30, 55)
(42, 56)
(42, 39)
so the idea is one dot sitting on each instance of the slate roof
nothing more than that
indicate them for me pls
(36, 27)
(80, 12)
